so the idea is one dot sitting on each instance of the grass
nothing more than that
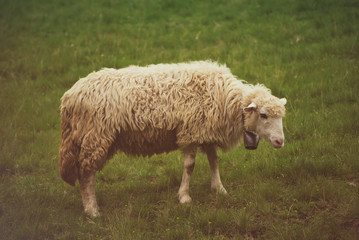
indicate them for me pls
(306, 51)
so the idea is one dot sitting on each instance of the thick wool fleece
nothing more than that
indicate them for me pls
(153, 109)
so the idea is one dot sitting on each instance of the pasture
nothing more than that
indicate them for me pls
(306, 51)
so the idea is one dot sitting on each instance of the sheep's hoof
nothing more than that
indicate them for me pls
(92, 212)
(223, 191)
(220, 190)
(185, 199)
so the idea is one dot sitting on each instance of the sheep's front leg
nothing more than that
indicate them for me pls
(87, 186)
(189, 161)
(212, 156)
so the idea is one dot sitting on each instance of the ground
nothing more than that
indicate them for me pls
(306, 51)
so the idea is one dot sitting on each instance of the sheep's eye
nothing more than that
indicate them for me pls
(263, 115)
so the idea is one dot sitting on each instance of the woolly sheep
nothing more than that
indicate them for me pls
(161, 108)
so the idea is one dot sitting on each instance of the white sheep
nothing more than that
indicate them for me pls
(161, 108)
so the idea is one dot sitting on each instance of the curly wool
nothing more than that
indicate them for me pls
(153, 109)
(264, 99)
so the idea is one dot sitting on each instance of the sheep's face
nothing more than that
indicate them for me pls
(266, 122)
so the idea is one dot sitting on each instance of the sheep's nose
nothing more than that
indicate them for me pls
(279, 142)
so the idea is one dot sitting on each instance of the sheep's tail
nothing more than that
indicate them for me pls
(69, 151)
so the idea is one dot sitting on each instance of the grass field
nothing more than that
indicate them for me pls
(304, 50)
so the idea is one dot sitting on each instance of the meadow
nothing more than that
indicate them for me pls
(304, 50)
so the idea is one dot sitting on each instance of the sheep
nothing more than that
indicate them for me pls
(161, 108)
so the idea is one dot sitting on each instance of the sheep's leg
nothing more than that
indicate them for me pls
(94, 153)
(216, 183)
(189, 161)
(87, 186)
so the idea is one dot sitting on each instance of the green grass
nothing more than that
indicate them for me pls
(306, 51)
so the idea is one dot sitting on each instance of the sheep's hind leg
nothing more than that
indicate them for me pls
(92, 159)
(87, 186)
(216, 183)
(189, 161)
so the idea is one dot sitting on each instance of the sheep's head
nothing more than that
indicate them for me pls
(265, 117)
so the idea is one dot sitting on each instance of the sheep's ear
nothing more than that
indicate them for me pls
(283, 101)
(250, 107)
